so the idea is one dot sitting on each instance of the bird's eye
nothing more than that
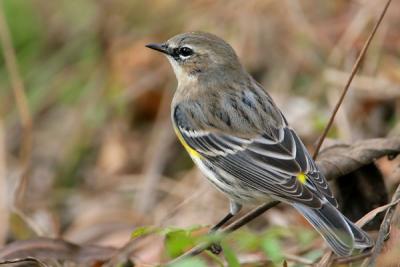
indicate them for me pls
(185, 51)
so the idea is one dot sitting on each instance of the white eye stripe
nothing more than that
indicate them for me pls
(187, 46)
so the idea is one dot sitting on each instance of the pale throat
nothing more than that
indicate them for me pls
(182, 76)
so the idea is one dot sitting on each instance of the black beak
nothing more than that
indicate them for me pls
(163, 48)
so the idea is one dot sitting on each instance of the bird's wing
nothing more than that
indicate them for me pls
(275, 162)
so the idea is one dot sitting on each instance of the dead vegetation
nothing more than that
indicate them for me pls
(92, 175)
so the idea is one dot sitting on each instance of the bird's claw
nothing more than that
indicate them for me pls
(215, 248)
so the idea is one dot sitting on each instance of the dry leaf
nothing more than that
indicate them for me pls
(371, 215)
(46, 248)
(339, 160)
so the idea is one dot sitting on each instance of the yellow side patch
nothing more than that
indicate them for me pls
(190, 150)
(302, 177)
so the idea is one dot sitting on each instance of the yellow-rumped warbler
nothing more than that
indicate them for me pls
(241, 141)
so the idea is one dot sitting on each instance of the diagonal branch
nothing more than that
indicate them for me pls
(354, 70)
(22, 105)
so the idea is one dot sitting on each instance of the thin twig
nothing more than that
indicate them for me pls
(4, 207)
(355, 68)
(297, 259)
(344, 260)
(384, 229)
(35, 227)
(326, 259)
(353, 73)
(22, 106)
(249, 216)
(372, 214)
(155, 156)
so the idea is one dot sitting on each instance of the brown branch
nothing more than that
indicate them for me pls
(373, 213)
(22, 105)
(350, 259)
(326, 259)
(249, 216)
(346, 88)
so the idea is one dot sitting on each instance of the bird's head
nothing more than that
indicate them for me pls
(198, 54)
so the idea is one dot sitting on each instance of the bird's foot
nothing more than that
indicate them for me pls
(215, 248)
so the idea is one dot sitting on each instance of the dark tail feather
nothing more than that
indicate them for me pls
(361, 238)
(341, 234)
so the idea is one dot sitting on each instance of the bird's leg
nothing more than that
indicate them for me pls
(234, 209)
(221, 223)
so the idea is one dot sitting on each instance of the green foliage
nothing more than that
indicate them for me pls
(178, 241)
(319, 122)
(302, 83)
(190, 262)
(142, 230)
(246, 240)
(25, 28)
(314, 255)
(272, 243)
(272, 248)
(305, 237)
(127, 263)
(230, 255)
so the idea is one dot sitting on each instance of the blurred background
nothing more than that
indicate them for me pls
(98, 157)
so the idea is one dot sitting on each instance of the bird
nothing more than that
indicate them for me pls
(241, 141)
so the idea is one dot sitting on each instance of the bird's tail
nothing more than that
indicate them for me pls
(339, 232)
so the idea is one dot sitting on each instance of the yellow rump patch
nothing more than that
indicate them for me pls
(302, 177)
(190, 150)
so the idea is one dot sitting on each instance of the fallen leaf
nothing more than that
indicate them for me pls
(371, 215)
(46, 248)
(341, 159)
